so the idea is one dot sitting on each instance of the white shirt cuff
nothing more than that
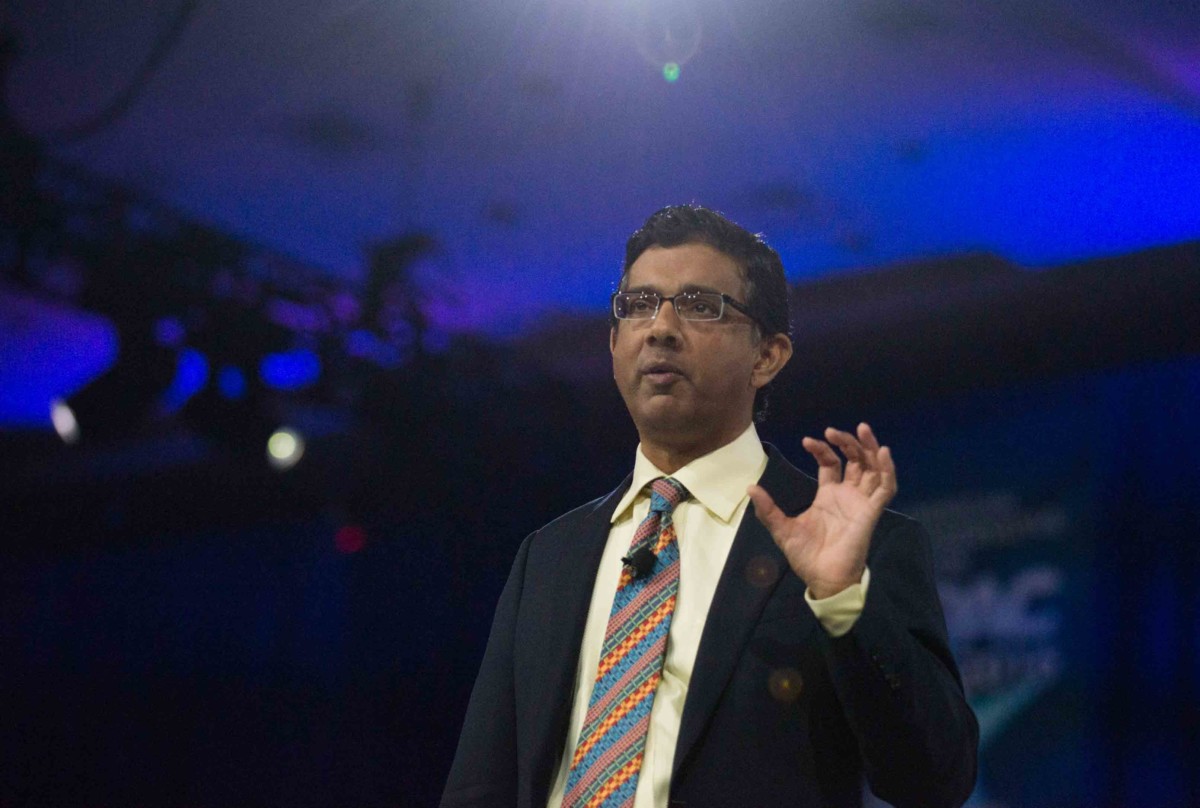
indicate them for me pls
(838, 613)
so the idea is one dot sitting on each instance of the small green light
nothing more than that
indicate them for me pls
(671, 72)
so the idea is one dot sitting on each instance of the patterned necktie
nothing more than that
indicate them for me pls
(608, 758)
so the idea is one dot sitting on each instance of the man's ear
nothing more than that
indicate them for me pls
(612, 339)
(773, 353)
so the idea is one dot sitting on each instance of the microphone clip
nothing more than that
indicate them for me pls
(640, 563)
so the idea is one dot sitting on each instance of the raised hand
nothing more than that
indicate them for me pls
(827, 544)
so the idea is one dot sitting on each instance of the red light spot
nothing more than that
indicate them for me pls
(350, 539)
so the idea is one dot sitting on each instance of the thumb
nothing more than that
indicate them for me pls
(766, 510)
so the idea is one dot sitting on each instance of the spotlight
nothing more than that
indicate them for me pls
(64, 421)
(191, 374)
(285, 447)
(246, 427)
(668, 34)
(290, 370)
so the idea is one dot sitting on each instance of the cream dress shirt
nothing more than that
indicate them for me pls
(705, 525)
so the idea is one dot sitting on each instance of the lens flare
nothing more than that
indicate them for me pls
(785, 684)
(64, 421)
(762, 571)
(284, 449)
(350, 539)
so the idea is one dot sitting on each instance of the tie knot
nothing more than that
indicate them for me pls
(665, 494)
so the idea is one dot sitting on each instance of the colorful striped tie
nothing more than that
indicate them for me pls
(608, 758)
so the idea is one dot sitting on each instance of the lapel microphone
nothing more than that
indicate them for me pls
(641, 563)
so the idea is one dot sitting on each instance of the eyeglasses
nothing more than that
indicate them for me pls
(688, 305)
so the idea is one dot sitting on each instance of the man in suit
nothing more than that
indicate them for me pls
(661, 646)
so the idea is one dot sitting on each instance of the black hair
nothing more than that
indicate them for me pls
(762, 270)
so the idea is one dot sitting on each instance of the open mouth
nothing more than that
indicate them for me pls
(662, 372)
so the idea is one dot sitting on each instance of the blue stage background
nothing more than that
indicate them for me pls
(261, 666)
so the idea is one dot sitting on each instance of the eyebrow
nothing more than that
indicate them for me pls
(691, 287)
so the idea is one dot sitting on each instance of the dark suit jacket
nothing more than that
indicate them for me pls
(778, 713)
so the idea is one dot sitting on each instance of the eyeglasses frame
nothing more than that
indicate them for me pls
(725, 299)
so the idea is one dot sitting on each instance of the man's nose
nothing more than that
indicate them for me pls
(666, 324)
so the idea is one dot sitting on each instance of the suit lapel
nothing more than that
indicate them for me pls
(752, 571)
(569, 565)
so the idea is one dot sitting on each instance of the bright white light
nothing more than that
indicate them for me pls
(284, 449)
(64, 421)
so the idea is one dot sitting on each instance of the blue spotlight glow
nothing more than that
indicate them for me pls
(191, 374)
(291, 370)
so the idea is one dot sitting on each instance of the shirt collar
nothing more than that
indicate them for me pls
(718, 480)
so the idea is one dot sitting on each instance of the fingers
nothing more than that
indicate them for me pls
(829, 465)
(887, 478)
(869, 466)
(765, 509)
(867, 437)
(855, 457)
